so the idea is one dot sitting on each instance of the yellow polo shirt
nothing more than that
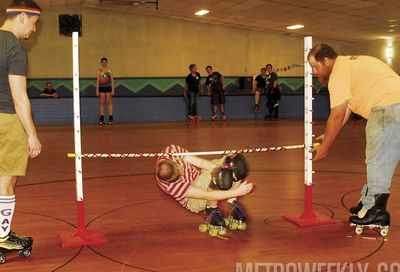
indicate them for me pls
(365, 82)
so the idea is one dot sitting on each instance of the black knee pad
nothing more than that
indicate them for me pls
(221, 178)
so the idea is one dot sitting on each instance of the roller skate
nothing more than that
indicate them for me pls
(237, 217)
(268, 117)
(375, 218)
(14, 243)
(223, 117)
(191, 119)
(214, 223)
(101, 120)
(354, 210)
(28, 239)
(214, 117)
(110, 120)
(256, 108)
(197, 118)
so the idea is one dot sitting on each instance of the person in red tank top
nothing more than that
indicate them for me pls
(105, 90)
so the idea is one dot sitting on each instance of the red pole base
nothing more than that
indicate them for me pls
(318, 219)
(308, 218)
(82, 236)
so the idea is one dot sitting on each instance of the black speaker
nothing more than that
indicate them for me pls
(70, 23)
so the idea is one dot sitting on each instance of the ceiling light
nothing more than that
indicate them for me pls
(389, 52)
(202, 12)
(294, 27)
(391, 30)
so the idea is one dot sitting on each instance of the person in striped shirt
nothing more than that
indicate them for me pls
(187, 179)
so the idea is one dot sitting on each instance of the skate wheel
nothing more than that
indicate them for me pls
(234, 226)
(242, 226)
(359, 230)
(25, 253)
(3, 258)
(203, 227)
(213, 232)
(222, 231)
(384, 231)
(226, 220)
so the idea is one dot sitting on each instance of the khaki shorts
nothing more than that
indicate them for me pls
(202, 182)
(13, 146)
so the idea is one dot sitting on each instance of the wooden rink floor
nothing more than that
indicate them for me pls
(149, 231)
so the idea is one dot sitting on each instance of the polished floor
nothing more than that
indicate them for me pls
(149, 231)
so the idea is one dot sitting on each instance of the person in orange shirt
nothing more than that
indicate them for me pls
(370, 88)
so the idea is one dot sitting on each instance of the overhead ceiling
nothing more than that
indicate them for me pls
(347, 20)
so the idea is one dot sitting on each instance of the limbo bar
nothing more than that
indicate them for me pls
(203, 153)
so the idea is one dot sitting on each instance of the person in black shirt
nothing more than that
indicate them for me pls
(216, 89)
(192, 90)
(49, 91)
(273, 94)
(259, 85)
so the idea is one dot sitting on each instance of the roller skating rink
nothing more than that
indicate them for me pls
(149, 231)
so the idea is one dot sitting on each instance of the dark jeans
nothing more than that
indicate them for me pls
(192, 97)
(273, 108)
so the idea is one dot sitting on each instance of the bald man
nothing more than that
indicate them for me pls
(18, 137)
(370, 88)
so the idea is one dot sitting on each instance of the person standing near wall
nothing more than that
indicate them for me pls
(273, 94)
(259, 85)
(105, 90)
(192, 89)
(19, 140)
(216, 89)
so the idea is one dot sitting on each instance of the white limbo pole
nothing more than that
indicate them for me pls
(308, 132)
(81, 236)
(77, 127)
(308, 118)
(308, 217)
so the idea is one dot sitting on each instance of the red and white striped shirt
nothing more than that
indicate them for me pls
(190, 173)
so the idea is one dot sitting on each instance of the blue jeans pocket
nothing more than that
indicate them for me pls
(396, 114)
(374, 131)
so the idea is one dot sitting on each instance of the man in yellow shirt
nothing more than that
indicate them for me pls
(370, 88)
